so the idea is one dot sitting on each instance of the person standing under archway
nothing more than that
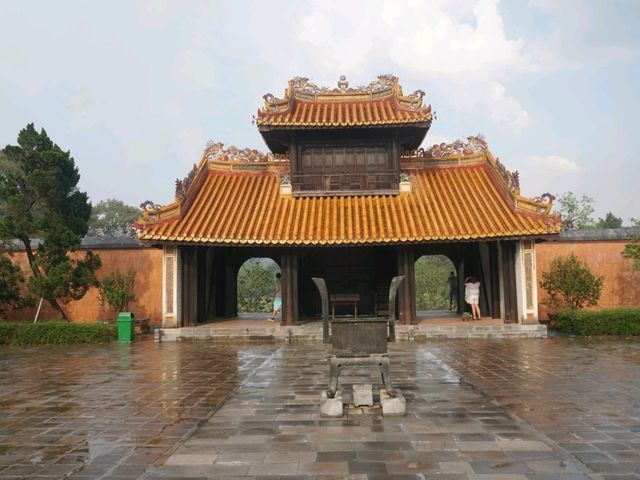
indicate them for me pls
(472, 296)
(277, 301)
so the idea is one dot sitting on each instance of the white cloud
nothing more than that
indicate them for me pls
(153, 13)
(466, 53)
(438, 44)
(547, 173)
(197, 66)
(552, 163)
(139, 100)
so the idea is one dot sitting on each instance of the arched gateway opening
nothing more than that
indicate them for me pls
(255, 286)
(436, 288)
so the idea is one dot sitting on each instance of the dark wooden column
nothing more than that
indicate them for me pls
(509, 281)
(486, 292)
(189, 311)
(210, 284)
(395, 154)
(494, 274)
(231, 284)
(289, 282)
(294, 159)
(461, 277)
(407, 293)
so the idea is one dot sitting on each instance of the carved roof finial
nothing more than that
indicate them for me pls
(343, 83)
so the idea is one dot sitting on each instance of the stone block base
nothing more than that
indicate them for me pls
(331, 407)
(393, 406)
(363, 395)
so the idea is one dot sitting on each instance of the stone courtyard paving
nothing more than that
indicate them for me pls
(477, 409)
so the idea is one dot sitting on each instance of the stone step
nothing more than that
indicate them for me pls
(313, 334)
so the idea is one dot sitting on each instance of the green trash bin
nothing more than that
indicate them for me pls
(125, 326)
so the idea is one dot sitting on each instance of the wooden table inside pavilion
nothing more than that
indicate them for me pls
(344, 299)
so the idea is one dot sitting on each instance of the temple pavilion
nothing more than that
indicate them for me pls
(346, 193)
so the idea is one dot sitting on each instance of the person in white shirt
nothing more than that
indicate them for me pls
(472, 296)
(277, 301)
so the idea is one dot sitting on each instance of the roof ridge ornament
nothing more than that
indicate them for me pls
(301, 88)
(474, 144)
(303, 85)
(343, 83)
(216, 152)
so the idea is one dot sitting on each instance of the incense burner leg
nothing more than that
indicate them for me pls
(386, 376)
(334, 373)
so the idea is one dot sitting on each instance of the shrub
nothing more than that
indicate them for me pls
(570, 284)
(116, 290)
(611, 321)
(632, 251)
(55, 333)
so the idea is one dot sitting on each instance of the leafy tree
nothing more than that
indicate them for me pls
(11, 279)
(570, 283)
(632, 251)
(40, 200)
(116, 290)
(112, 218)
(576, 212)
(432, 289)
(256, 281)
(609, 221)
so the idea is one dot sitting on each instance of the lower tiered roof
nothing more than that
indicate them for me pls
(462, 197)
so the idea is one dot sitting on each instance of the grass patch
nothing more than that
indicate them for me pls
(610, 321)
(55, 333)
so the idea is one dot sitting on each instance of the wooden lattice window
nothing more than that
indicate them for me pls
(345, 168)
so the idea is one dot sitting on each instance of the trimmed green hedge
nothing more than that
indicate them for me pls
(611, 321)
(55, 333)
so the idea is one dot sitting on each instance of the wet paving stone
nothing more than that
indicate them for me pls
(452, 429)
(109, 411)
(558, 408)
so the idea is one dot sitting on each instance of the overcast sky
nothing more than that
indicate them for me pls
(136, 89)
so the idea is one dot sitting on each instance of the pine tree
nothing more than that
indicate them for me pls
(40, 201)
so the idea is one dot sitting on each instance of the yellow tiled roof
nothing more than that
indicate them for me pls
(456, 203)
(379, 103)
(345, 114)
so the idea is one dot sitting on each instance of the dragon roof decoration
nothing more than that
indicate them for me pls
(300, 88)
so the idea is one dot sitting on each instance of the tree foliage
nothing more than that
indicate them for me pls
(256, 281)
(609, 221)
(432, 289)
(11, 280)
(40, 200)
(571, 284)
(632, 251)
(576, 212)
(112, 218)
(116, 290)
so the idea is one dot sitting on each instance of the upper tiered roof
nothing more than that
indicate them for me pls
(306, 105)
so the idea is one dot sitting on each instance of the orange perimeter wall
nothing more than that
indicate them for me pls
(147, 262)
(621, 282)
